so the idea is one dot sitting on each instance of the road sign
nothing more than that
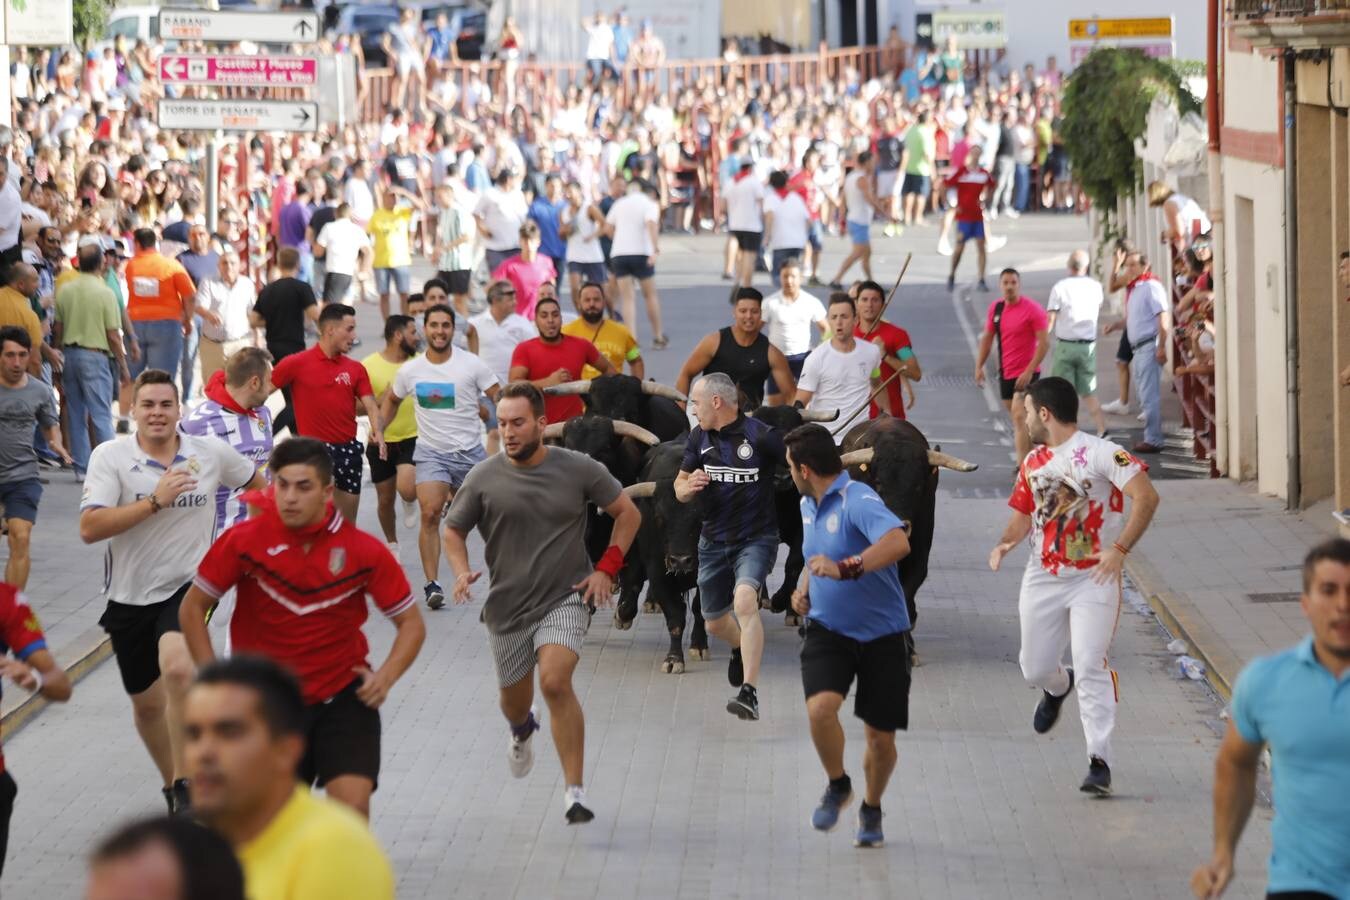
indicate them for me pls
(262, 27)
(250, 71)
(1094, 29)
(239, 115)
(37, 23)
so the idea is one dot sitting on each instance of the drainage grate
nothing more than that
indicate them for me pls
(1274, 598)
(950, 381)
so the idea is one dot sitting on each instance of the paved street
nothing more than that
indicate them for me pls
(690, 801)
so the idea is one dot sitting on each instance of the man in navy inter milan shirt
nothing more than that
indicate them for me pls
(729, 463)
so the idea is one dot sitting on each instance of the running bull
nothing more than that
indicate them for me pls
(648, 404)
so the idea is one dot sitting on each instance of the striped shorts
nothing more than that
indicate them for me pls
(514, 652)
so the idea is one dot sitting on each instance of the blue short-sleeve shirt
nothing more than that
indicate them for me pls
(850, 518)
(1293, 703)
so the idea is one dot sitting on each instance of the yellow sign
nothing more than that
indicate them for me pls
(1094, 29)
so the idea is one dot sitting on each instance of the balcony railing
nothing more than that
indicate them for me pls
(1283, 9)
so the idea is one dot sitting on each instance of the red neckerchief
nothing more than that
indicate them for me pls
(216, 390)
(782, 192)
(1147, 276)
(743, 174)
(266, 503)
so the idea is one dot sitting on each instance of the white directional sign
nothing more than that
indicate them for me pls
(37, 23)
(227, 26)
(239, 115)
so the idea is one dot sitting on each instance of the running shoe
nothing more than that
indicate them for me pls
(1047, 710)
(1116, 408)
(736, 669)
(435, 595)
(1142, 417)
(995, 242)
(983, 286)
(889, 229)
(520, 751)
(951, 282)
(945, 245)
(178, 797)
(869, 827)
(410, 514)
(1012, 213)
(393, 547)
(745, 705)
(834, 801)
(574, 806)
(814, 281)
(1098, 780)
(660, 342)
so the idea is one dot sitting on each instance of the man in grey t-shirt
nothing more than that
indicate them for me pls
(25, 402)
(529, 502)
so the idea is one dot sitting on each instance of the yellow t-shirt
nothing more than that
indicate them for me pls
(613, 340)
(315, 849)
(389, 230)
(381, 372)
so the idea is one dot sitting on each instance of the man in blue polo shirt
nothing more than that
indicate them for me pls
(856, 621)
(1298, 703)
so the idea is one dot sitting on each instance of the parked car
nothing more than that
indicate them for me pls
(370, 21)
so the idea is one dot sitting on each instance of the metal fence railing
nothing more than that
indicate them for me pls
(1258, 9)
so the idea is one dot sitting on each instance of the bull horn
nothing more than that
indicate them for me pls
(568, 388)
(641, 489)
(861, 457)
(947, 461)
(554, 432)
(637, 432)
(657, 389)
(818, 415)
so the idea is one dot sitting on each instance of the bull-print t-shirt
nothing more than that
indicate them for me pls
(1074, 494)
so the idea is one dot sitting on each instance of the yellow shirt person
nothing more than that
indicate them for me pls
(613, 340)
(315, 849)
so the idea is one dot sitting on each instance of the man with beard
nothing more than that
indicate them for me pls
(614, 341)
(445, 387)
(554, 358)
(530, 505)
(394, 473)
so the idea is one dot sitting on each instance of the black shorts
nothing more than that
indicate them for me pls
(632, 266)
(399, 453)
(1008, 386)
(8, 791)
(749, 240)
(342, 737)
(458, 280)
(135, 632)
(1125, 353)
(335, 287)
(346, 465)
(830, 662)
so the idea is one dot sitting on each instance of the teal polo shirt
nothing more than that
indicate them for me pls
(1291, 702)
(850, 518)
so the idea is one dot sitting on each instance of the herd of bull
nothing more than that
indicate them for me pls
(638, 431)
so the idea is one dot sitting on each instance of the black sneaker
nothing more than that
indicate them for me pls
(736, 669)
(1098, 780)
(951, 283)
(745, 705)
(577, 814)
(178, 798)
(983, 286)
(1047, 710)
(435, 595)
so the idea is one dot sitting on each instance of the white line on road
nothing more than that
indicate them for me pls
(990, 397)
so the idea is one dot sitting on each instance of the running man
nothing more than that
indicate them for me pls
(897, 353)
(303, 574)
(530, 505)
(444, 386)
(1019, 327)
(393, 474)
(861, 205)
(554, 358)
(733, 457)
(972, 185)
(1069, 498)
(841, 373)
(743, 353)
(853, 629)
(152, 496)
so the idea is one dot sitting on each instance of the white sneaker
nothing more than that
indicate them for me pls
(520, 751)
(1115, 408)
(993, 215)
(393, 547)
(945, 246)
(1142, 417)
(411, 514)
(1012, 213)
(995, 242)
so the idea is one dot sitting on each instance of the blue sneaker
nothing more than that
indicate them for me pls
(869, 827)
(435, 595)
(832, 803)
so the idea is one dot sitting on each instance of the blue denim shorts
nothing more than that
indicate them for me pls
(447, 467)
(400, 277)
(722, 565)
(859, 233)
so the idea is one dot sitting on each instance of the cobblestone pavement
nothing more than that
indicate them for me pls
(690, 801)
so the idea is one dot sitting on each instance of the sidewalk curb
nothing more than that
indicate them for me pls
(1183, 619)
(94, 647)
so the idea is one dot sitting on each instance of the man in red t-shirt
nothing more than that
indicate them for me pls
(325, 386)
(554, 358)
(804, 183)
(303, 573)
(893, 342)
(31, 668)
(972, 184)
(1021, 329)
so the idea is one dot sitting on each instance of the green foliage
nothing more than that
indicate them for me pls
(1106, 103)
(1189, 68)
(90, 16)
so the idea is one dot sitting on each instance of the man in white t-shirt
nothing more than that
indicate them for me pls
(1073, 307)
(787, 223)
(633, 223)
(445, 386)
(340, 244)
(500, 328)
(842, 372)
(356, 193)
(500, 212)
(788, 316)
(745, 219)
(152, 496)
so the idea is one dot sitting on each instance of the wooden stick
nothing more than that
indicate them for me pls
(881, 387)
(881, 315)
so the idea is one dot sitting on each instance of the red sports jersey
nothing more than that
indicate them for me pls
(896, 340)
(20, 632)
(804, 183)
(970, 186)
(302, 595)
(542, 360)
(324, 391)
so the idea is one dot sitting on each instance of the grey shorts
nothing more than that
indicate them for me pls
(445, 466)
(514, 652)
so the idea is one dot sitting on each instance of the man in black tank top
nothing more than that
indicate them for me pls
(743, 353)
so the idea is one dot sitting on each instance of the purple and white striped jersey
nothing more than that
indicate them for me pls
(251, 436)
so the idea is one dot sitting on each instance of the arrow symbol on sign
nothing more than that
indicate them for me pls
(303, 27)
(176, 69)
(302, 115)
